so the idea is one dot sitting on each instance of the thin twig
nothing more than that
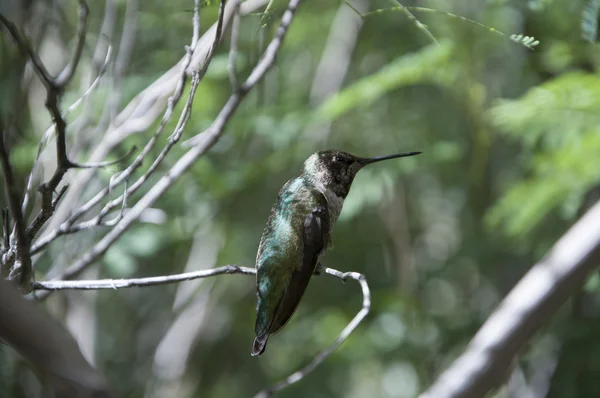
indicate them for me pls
(526, 41)
(67, 226)
(143, 110)
(5, 230)
(323, 355)
(122, 60)
(67, 74)
(217, 40)
(235, 33)
(417, 23)
(141, 282)
(196, 24)
(54, 89)
(14, 202)
(211, 136)
(107, 163)
(228, 269)
(94, 84)
(25, 48)
(46, 137)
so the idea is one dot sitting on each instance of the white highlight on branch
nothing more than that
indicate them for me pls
(140, 282)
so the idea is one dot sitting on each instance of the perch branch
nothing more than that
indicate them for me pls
(208, 139)
(229, 269)
(530, 304)
(14, 203)
(141, 282)
(323, 355)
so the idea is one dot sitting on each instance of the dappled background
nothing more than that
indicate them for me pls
(511, 157)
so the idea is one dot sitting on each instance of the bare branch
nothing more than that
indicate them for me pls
(94, 84)
(228, 269)
(196, 24)
(54, 88)
(217, 39)
(141, 282)
(25, 48)
(126, 45)
(52, 129)
(14, 202)
(335, 60)
(143, 110)
(531, 303)
(323, 355)
(5, 231)
(99, 165)
(209, 138)
(67, 74)
(48, 347)
(67, 226)
(235, 33)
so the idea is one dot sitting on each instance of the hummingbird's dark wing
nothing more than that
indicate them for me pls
(315, 237)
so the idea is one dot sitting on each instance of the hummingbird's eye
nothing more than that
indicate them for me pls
(337, 159)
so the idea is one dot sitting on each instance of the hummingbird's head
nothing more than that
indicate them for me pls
(335, 170)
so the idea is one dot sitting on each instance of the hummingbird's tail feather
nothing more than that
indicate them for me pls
(259, 345)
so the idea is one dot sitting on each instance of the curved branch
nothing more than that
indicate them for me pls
(67, 74)
(12, 193)
(229, 269)
(531, 303)
(323, 355)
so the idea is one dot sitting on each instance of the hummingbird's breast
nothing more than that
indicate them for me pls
(334, 203)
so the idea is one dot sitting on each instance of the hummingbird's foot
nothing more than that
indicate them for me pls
(318, 269)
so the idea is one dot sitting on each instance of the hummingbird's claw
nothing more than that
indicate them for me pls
(318, 269)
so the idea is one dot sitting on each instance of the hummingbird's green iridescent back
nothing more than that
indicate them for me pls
(284, 262)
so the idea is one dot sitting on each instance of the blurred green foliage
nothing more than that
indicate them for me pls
(511, 158)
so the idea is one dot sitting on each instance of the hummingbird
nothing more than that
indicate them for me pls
(298, 232)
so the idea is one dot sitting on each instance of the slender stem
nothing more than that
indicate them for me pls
(228, 270)
(323, 355)
(235, 33)
(141, 282)
(14, 202)
(209, 138)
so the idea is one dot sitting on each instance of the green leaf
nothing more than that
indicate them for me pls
(559, 178)
(553, 113)
(431, 64)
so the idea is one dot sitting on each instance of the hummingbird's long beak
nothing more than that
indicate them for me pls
(366, 161)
